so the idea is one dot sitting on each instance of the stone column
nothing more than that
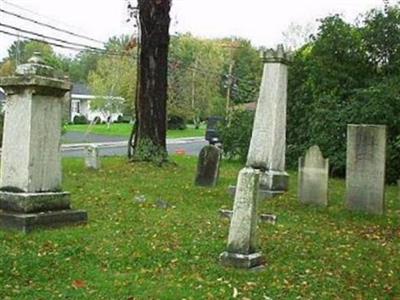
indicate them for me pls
(30, 184)
(242, 246)
(268, 142)
(313, 178)
(365, 170)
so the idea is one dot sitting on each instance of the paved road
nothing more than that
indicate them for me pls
(117, 146)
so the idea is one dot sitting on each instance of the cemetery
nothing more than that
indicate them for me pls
(164, 225)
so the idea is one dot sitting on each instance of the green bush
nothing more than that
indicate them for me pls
(176, 123)
(334, 81)
(79, 120)
(236, 135)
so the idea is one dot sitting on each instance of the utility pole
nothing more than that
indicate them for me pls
(194, 71)
(230, 82)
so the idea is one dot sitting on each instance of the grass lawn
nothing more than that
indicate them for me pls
(139, 251)
(124, 130)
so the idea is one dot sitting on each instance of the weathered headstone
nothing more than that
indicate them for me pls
(242, 245)
(92, 157)
(365, 172)
(30, 185)
(268, 143)
(208, 166)
(313, 178)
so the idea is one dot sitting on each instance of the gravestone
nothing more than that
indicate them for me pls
(242, 251)
(268, 142)
(92, 157)
(365, 171)
(208, 166)
(313, 178)
(31, 193)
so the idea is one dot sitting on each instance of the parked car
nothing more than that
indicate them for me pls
(212, 134)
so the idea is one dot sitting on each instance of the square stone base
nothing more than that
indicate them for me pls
(262, 193)
(34, 202)
(274, 181)
(28, 222)
(242, 261)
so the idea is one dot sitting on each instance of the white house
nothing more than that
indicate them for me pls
(81, 98)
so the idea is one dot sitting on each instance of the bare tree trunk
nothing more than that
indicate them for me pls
(151, 105)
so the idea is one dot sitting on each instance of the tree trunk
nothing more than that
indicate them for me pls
(151, 105)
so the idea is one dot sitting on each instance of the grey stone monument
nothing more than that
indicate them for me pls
(242, 251)
(31, 194)
(208, 166)
(268, 143)
(265, 174)
(92, 157)
(313, 178)
(365, 171)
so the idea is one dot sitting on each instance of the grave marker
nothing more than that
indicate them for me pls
(313, 178)
(365, 172)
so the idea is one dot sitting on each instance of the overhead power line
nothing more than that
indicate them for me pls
(98, 50)
(50, 26)
(23, 8)
(47, 37)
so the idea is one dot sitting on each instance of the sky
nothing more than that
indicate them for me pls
(260, 21)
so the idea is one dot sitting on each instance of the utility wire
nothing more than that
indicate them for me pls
(46, 36)
(99, 51)
(38, 14)
(50, 26)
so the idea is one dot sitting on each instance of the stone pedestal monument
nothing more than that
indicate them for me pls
(31, 194)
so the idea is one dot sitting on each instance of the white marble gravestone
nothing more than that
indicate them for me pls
(30, 184)
(365, 170)
(313, 178)
(92, 157)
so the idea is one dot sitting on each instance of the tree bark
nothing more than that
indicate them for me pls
(151, 105)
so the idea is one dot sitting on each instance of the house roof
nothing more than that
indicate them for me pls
(81, 89)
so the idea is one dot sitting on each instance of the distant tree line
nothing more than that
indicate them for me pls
(198, 77)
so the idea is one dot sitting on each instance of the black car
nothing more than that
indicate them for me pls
(212, 134)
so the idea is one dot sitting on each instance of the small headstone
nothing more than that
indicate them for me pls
(160, 203)
(225, 213)
(268, 218)
(365, 172)
(140, 199)
(313, 178)
(242, 246)
(92, 157)
(208, 166)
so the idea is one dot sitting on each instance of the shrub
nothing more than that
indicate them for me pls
(237, 134)
(80, 120)
(176, 123)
